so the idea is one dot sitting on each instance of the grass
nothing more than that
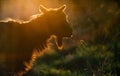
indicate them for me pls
(86, 60)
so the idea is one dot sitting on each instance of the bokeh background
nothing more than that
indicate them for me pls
(95, 48)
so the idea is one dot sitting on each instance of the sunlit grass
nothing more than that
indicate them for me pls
(87, 60)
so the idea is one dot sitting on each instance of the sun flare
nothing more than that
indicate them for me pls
(23, 9)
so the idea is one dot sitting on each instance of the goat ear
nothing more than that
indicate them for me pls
(42, 9)
(62, 8)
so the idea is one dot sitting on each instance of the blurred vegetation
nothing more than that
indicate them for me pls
(86, 60)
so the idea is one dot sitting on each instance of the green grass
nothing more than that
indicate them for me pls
(86, 60)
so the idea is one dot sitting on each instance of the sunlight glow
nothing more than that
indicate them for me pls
(23, 9)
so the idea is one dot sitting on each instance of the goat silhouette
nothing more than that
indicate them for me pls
(19, 38)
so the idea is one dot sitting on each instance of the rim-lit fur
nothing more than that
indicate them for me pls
(18, 38)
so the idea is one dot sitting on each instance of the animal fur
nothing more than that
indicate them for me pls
(19, 38)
